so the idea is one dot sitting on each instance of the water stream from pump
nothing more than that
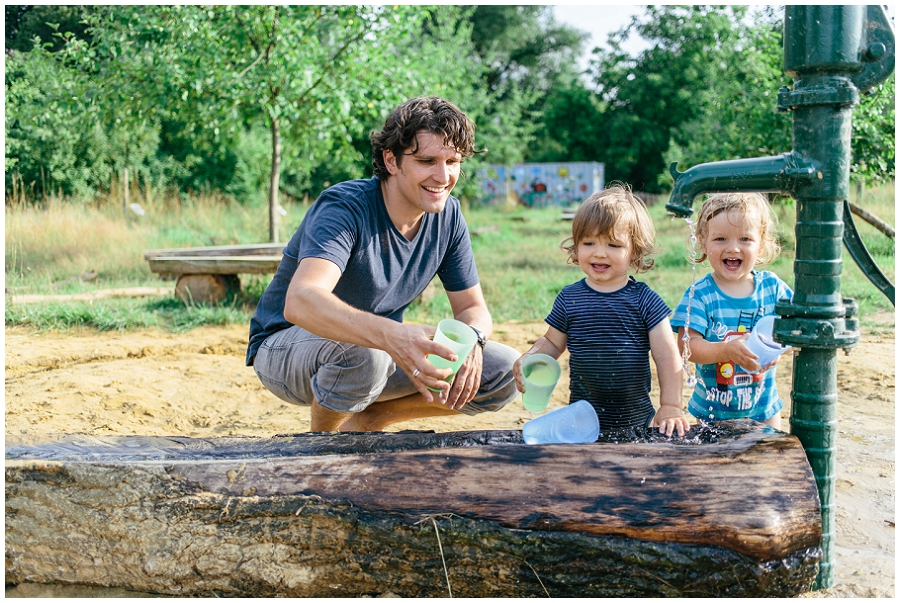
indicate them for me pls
(690, 379)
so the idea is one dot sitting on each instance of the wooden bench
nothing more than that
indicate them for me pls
(208, 274)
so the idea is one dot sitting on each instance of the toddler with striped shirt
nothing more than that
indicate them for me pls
(611, 323)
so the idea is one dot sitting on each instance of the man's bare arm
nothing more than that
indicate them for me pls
(311, 303)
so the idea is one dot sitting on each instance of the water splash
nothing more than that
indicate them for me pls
(690, 379)
(702, 433)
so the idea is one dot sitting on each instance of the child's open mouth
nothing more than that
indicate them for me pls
(732, 264)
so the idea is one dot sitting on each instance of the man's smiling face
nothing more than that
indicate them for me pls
(423, 179)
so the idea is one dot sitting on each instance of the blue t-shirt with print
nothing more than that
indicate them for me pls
(381, 271)
(608, 338)
(725, 390)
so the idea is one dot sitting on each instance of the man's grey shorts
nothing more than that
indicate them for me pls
(300, 367)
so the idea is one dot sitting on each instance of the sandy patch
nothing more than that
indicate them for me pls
(196, 384)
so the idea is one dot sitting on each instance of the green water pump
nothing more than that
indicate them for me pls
(833, 53)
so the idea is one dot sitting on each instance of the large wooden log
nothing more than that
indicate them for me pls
(732, 511)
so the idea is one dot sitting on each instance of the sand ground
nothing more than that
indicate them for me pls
(196, 384)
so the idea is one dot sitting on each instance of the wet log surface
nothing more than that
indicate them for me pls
(730, 511)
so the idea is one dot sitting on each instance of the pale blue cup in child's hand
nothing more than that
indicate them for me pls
(459, 337)
(762, 344)
(541, 374)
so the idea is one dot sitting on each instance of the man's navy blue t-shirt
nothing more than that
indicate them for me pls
(382, 271)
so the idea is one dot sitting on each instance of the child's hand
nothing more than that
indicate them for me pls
(517, 372)
(770, 365)
(670, 420)
(736, 350)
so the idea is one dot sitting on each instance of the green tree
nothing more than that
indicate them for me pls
(294, 68)
(56, 139)
(25, 23)
(526, 57)
(524, 45)
(649, 96)
(737, 116)
(874, 138)
(192, 95)
(725, 103)
(570, 126)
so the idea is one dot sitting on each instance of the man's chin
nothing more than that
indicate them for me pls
(435, 207)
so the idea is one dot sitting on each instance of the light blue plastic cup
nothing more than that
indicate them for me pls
(576, 423)
(762, 344)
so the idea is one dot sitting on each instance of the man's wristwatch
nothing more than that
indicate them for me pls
(482, 340)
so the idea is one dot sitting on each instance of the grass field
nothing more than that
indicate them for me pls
(517, 250)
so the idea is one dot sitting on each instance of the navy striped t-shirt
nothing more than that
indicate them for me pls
(608, 338)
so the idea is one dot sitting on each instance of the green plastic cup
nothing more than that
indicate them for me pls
(459, 337)
(541, 373)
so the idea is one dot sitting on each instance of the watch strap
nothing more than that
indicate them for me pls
(482, 340)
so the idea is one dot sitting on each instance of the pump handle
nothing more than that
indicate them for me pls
(878, 50)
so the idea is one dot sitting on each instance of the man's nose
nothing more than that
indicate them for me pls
(441, 172)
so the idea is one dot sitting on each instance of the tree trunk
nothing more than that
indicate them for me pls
(274, 216)
(733, 511)
(125, 197)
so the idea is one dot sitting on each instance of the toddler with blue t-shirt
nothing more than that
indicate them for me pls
(735, 234)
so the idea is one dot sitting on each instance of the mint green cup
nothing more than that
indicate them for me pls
(541, 373)
(459, 337)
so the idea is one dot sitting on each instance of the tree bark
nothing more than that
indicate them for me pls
(274, 176)
(731, 512)
(125, 197)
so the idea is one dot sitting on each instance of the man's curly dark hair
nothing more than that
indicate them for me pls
(430, 113)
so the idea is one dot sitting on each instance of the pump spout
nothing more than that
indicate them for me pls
(780, 174)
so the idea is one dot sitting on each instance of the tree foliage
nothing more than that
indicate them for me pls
(196, 97)
(874, 158)
(27, 24)
(211, 82)
(570, 126)
(737, 116)
(649, 96)
(525, 57)
(705, 90)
